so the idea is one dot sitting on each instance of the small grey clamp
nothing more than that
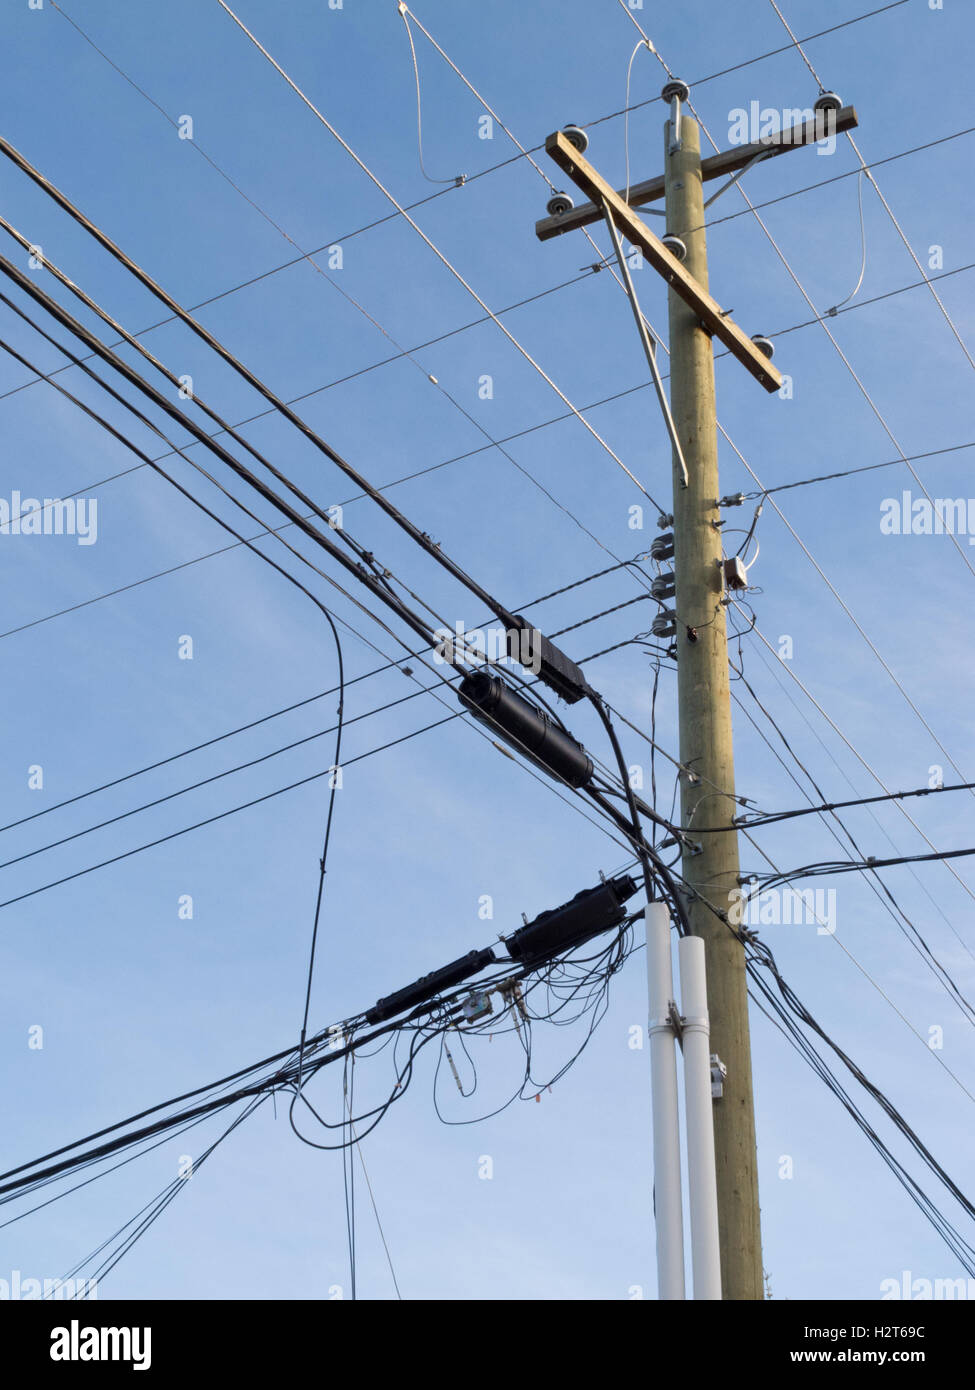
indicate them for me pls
(719, 1073)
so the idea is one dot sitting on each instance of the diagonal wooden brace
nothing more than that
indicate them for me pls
(713, 319)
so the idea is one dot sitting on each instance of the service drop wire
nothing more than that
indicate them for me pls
(367, 570)
(338, 649)
(650, 862)
(341, 674)
(112, 359)
(29, 1176)
(377, 587)
(323, 861)
(420, 537)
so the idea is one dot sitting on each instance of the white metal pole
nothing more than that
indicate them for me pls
(668, 1209)
(699, 1115)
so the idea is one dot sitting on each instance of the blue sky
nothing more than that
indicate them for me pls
(138, 1004)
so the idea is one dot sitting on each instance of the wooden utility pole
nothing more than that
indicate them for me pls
(709, 860)
(705, 730)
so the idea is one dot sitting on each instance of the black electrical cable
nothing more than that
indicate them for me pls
(336, 762)
(879, 886)
(323, 861)
(379, 589)
(30, 1174)
(931, 453)
(773, 817)
(286, 709)
(359, 571)
(223, 428)
(246, 805)
(159, 1204)
(811, 1056)
(393, 512)
(336, 729)
(864, 468)
(758, 952)
(866, 866)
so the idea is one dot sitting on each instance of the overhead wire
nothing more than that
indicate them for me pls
(903, 456)
(797, 44)
(643, 43)
(458, 714)
(27, 513)
(859, 757)
(652, 48)
(236, 466)
(881, 891)
(133, 377)
(388, 666)
(924, 887)
(107, 354)
(758, 953)
(434, 248)
(502, 164)
(405, 15)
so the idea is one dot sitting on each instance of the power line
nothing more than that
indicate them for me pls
(586, 274)
(336, 728)
(758, 953)
(963, 1003)
(867, 865)
(843, 357)
(268, 796)
(807, 1051)
(385, 592)
(860, 758)
(435, 249)
(879, 887)
(261, 1081)
(358, 570)
(863, 391)
(523, 153)
(847, 21)
(837, 178)
(775, 816)
(874, 299)
(876, 879)
(381, 590)
(821, 33)
(797, 43)
(864, 468)
(421, 538)
(606, 400)
(391, 665)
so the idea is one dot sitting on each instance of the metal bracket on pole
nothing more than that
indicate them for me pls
(674, 125)
(719, 1073)
(756, 159)
(646, 339)
(676, 1023)
(675, 92)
